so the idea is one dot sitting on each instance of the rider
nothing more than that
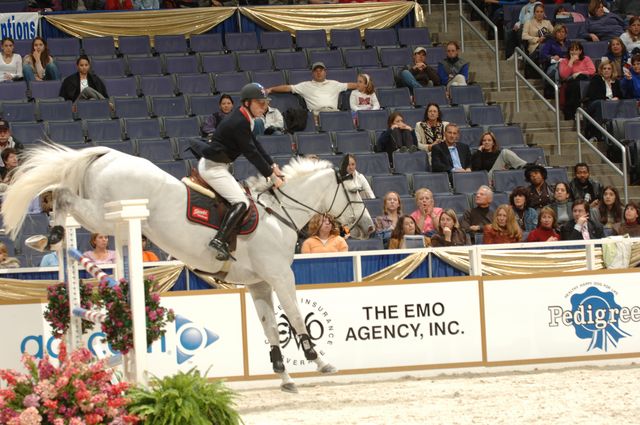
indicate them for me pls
(233, 138)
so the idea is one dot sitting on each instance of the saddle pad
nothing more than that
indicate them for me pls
(209, 212)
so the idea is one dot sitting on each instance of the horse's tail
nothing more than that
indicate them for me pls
(42, 168)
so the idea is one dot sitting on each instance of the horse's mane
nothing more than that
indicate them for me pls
(296, 168)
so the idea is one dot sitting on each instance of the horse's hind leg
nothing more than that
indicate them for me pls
(88, 213)
(262, 295)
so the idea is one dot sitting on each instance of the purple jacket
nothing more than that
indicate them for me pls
(605, 27)
(551, 47)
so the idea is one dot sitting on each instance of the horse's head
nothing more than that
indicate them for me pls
(349, 209)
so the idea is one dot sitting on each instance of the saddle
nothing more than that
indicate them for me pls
(205, 207)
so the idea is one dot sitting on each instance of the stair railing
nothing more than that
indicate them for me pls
(494, 48)
(444, 14)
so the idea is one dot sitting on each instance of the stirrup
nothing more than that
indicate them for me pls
(307, 347)
(222, 248)
(56, 235)
(276, 359)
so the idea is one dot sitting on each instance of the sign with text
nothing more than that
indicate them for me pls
(19, 26)
(383, 326)
(568, 316)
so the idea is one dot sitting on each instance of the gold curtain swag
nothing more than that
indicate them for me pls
(156, 22)
(334, 16)
(16, 291)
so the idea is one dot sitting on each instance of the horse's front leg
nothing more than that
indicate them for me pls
(262, 295)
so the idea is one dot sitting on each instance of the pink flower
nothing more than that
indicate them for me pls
(30, 417)
(32, 400)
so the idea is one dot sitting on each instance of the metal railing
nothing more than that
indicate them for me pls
(581, 113)
(494, 48)
(445, 22)
(519, 54)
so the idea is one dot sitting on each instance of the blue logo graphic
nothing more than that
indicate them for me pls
(595, 316)
(191, 338)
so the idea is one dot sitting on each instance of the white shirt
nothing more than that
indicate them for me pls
(14, 67)
(359, 101)
(362, 184)
(273, 118)
(320, 95)
(629, 43)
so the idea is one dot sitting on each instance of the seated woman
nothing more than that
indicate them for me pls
(573, 69)
(603, 86)
(348, 168)
(618, 55)
(449, 232)
(100, 254)
(631, 37)
(11, 63)
(391, 210)
(397, 136)
(631, 224)
(84, 84)
(7, 262)
(526, 217)
(631, 81)
(426, 213)
(325, 236)
(406, 226)
(147, 256)
(39, 65)
(609, 211)
(546, 229)
(601, 25)
(430, 131)
(554, 48)
(225, 106)
(10, 160)
(504, 228)
(490, 157)
(536, 30)
(453, 70)
(562, 205)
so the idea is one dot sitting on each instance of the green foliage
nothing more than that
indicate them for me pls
(184, 399)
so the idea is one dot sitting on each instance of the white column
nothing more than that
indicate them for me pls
(65, 263)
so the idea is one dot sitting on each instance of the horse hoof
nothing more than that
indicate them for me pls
(289, 387)
(328, 369)
(37, 242)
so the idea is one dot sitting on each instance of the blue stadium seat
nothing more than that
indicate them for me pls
(218, 64)
(412, 116)
(276, 40)
(373, 120)
(342, 75)
(485, 115)
(151, 65)
(121, 86)
(573, 29)
(242, 169)
(14, 90)
(65, 132)
(35, 224)
(142, 128)
(45, 89)
(371, 164)
(63, 46)
(19, 111)
(196, 83)
(290, 60)
(531, 155)
(508, 135)
(109, 67)
(181, 126)
(170, 44)
(458, 202)
(380, 37)
(399, 97)
(168, 106)
(373, 244)
(437, 183)
(277, 144)
(341, 38)
(156, 85)
(499, 198)
(395, 56)
(98, 46)
(466, 95)
(425, 95)
(330, 58)
(335, 121)
(357, 58)
(103, 130)
(470, 136)
(155, 150)
(375, 206)
(435, 55)
(414, 36)
(134, 45)
(314, 143)
(631, 129)
(21, 47)
(230, 83)
(285, 101)
(241, 41)
(202, 104)
(177, 169)
(410, 162)
(311, 39)
(254, 61)
(295, 76)
(624, 108)
(352, 142)
(131, 107)
(180, 64)
(58, 110)
(469, 183)
(268, 78)
(381, 77)
(206, 43)
(507, 180)
(67, 67)
(595, 49)
(27, 132)
(556, 174)
(182, 145)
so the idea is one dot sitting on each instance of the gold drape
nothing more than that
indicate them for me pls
(333, 16)
(14, 290)
(399, 270)
(157, 22)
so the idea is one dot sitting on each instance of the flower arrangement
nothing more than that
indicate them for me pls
(118, 326)
(78, 391)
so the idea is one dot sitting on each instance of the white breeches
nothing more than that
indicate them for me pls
(218, 176)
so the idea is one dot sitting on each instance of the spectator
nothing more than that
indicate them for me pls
(94, 4)
(581, 227)
(426, 214)
(118, 5)
(50, 260)
(419, 74)
(618, 55)
(572, 70)
(603, 86)
(609, 211)
(449, 232)
(631, 37)
(490, 157)
(10, 160)
(631, 81)
(474, 219)
(601, 25)
(84, 84)
(348, 168)
(145, 4)
(7, 262)
(271, 123)
(325, 236)
(513, 36)
(399, 136)
(504, 227)
(546, 229)
(225, 106)
(99, 253)
(147, 256)
(562, 15)
(319, 93)
(451, 156)
(406, 226)
(536, 31)
(630, 225)
(526, 217)
(7, 140)
(430, 131)
(364, 98)
(453, 70)
(39, 65)
(563, 204)
(11, 63)
(554, 48)
(583, 186)
(391, 210)
(540, 193)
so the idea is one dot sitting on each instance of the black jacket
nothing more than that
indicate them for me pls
(70, 88)
(569, 233)
(441, 158)
(597, 90)
(233, 138)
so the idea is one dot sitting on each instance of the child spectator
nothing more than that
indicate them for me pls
(631, 81)
(39, 65)
(631, 37)
(545, 231)
(391, 211)
(504, 227)
(363, 98)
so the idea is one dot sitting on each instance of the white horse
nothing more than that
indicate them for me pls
(84, 180)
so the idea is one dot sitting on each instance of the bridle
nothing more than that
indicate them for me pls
(288, 220)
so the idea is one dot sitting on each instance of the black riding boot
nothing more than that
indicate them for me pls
(231, 220)
(56, 234)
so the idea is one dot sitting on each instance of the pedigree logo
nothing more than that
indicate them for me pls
(201, 213)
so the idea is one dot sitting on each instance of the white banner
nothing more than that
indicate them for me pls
(19, 26)
(568, 316)
(360, 327)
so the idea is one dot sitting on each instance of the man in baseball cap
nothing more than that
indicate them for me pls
(419, 74)
(6, 140)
